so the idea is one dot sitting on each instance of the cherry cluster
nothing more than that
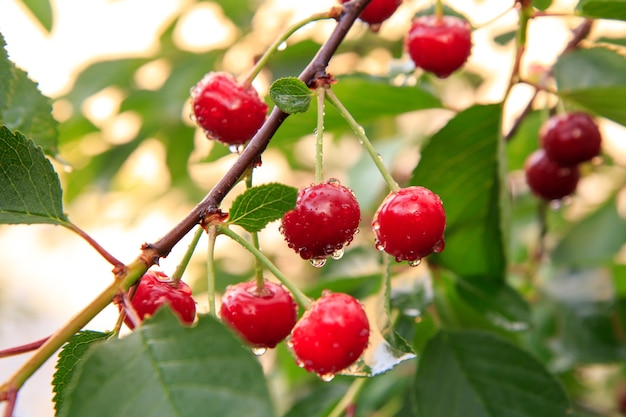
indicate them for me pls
(567, 140)
(409, 224)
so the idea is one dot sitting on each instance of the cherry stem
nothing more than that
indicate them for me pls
(348, 398)
(184, 262)
(28, 347)
(258, 266)
(360, 132)
(439, 10)
(275, 46)
(212, 233)
(301, 298)
(319, 136)
(105, 254)
(11, 398)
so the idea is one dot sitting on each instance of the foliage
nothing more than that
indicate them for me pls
(524, 299)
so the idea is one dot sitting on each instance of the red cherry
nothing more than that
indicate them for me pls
(570, 138)
(377, 11)
(331, 335)
(325, 219)
(156, 289)
(262, 317)
(440, 46)
(549, 180)
(409, 224)
(226, 110)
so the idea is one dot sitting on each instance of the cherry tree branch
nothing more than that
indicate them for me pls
(259, 142)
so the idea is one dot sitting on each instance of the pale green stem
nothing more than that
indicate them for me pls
(212, 233)
(271, 50)
(319, 136)
(54, 343)
(439, 10)
(360, 132)
(348, 397)
(301, 298)
(258, 266)
(180, 269)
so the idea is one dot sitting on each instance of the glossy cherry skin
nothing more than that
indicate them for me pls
(377, 11)
(549, 180)
(409, 224)
(156, 289)
(440, 46)
(262, 317)
(331, 335)
(570, 138)
(325, 219)
(226, 110)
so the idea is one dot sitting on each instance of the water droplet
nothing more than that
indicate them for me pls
(555, 205)
(318, 263)
(415, 262)
(326, 377)
(380, 246)
(337, 254)
(258, 351)
(238, 149)
(375, 225)
(334, 181)
(192, 117)
(439, 246)
(282, 46)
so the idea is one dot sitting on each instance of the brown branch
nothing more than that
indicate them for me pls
(23, 348)
(259, 142)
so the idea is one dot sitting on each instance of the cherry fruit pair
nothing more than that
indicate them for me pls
(331, 335)
(567, 140)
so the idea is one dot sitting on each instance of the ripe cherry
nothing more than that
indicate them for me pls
(439, 45)
(377, 11)
(325, 219)
(331, 335)
(261, 316)
(156, 289)
(549, 180)
(409, 224)
(226, 110)
(570, 138)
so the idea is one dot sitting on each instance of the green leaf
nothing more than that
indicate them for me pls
(291, 95)
(30, 112)
(367, 99)
(594, 79)
(477, 374)
(584, 307)
(463, 164)
(70, 354)
(23, 107)
(30, 191)
(595, 240)
(42, 11)
(164, 369)
(7, 77)
(258, 206)
(542, 4)
(498, 302)
(505, 37)
(318, 403)
(603, 9)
